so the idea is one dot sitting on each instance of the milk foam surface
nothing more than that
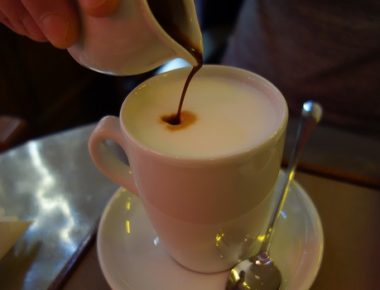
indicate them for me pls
(231, 115)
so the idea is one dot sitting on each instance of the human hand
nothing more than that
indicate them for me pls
(56, 21)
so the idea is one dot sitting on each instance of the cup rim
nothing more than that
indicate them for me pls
(276, 134)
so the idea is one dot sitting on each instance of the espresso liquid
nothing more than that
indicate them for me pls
(176, 119)
(169, 14)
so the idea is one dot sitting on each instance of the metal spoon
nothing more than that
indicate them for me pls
(259, 272)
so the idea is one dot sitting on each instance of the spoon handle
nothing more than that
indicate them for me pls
(311, 115)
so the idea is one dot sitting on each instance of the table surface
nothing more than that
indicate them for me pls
(350, 218)
(54, 183)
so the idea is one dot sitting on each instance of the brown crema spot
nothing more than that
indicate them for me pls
(173, 124)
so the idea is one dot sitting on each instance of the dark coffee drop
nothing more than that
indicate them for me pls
(171, 119)
(172, 124)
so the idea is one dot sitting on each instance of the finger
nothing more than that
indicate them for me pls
(22, 23)
(4, 20)
(13, 12)
(57, 19)
(33, 30)
(98, 8)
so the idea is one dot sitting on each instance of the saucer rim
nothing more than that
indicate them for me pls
(319, 228)
(298, 189)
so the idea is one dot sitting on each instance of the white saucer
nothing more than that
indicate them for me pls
(132, 258)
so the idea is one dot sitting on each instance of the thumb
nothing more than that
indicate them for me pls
(98, 8)
(58, 20)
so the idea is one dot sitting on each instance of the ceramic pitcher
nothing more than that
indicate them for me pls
(134, 40)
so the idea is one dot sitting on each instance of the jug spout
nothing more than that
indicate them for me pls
(181, 30)
(139, 36)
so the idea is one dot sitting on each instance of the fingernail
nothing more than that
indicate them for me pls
(56, 28)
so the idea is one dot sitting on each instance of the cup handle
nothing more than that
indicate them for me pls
(104, 158)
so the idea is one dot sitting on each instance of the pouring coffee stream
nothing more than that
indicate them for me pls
(259, 272)
(172, 26)
(175, 119)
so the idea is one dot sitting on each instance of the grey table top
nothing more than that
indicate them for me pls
(52, 182)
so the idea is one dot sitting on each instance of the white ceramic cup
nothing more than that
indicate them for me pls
(209, 208)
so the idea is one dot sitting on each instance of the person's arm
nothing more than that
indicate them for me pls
(55, 21)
